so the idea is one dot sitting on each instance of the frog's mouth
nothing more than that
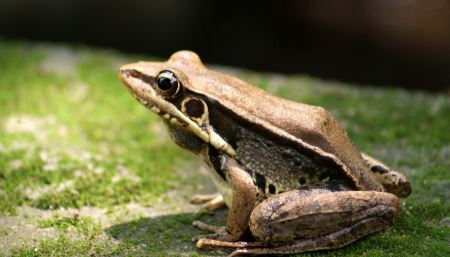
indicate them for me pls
(141, 86)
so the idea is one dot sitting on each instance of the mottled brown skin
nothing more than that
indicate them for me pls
(393, 181)
(288, 171)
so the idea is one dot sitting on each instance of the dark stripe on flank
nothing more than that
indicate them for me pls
(260, 181)
(214, 158)
(272, 189)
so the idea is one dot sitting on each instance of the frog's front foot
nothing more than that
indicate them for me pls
(209, 202)
(218, 233)
(206, 227)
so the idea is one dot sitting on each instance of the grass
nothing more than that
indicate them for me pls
(87, 171)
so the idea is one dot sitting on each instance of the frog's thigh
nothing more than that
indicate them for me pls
(296, 221)
(393, 181)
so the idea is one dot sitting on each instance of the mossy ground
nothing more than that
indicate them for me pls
(87, 171)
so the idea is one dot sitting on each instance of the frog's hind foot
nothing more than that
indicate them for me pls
(210, 202)
(205, 242)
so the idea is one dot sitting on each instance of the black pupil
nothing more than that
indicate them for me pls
(165, 83)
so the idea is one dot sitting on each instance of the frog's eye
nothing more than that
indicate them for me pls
(167, 83)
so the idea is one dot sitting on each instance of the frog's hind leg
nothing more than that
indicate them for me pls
(330, 241)
(301, 221)
(317, 219)
(393, 181)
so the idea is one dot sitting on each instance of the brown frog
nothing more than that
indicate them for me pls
(288, 172)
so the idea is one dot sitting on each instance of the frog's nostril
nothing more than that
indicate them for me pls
(129, 73)
(124, 73)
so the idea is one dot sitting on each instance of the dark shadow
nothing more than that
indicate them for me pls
(167, 234)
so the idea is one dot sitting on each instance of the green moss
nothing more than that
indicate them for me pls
(74, 115)
(71, 137)
(84, 225)
(66, 246)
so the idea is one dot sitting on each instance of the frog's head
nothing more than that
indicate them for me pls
(163, 87)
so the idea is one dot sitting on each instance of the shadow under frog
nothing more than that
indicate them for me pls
(169, 234)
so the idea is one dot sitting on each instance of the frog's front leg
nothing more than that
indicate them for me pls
(245, 197)
(309, 220)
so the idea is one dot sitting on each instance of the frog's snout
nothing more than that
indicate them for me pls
(125, 73)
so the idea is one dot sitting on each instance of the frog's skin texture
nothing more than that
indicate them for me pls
(289, 173)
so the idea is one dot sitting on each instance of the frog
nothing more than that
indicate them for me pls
(288, 172)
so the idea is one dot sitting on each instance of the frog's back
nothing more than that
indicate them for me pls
(311, 126)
